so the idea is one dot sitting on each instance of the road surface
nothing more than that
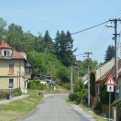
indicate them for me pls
(54, 108)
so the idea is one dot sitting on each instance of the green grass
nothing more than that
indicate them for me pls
(15, 109)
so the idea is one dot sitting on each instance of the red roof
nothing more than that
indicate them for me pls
(15, 54)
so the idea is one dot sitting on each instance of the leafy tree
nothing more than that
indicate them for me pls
(15, 36)
(78, 85)
(64, 74)
(84, 66)
(80, 92)
(2, 28)
(28, 44)
(110, 53)
(48, 65)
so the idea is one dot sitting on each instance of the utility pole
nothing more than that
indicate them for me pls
(71, 81)
(88, 53)
(78, 70)
(120, 49)
(78, 67)
(116, 65)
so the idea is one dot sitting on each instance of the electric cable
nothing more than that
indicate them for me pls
(89, 28)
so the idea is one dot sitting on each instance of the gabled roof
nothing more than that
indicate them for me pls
(14, 55)
(111, 72)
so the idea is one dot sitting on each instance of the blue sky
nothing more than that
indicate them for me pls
(73, 15)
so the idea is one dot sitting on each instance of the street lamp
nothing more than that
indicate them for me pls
(109, 25)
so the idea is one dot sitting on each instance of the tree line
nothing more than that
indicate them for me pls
(45, 53)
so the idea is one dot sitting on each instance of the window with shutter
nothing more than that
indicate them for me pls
(11, 68)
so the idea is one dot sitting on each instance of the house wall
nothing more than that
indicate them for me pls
(18, 67)
(4, 82)
(105, 68)
(19, 71)
(84, 78)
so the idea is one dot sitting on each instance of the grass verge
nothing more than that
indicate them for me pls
(96, 117)
(15, 109)
(90, 111)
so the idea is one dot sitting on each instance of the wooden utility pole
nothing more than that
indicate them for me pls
(71, 81)
(88, 53)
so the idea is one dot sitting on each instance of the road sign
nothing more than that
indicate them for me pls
(110, 88)
(110, 81)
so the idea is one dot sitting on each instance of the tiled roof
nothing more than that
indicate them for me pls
(15, 54)
(111, 72)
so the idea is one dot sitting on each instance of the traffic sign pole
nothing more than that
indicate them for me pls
(109, 104)
(110, 88)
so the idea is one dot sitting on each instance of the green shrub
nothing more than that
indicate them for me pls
(66, 86)
(72, 97)
(36, 85)
(19, 91)
(117, 102)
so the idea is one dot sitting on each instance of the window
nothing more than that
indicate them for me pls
(10, 83)
(11, 68)
(0, 53)
(6, 53)
(27, 70)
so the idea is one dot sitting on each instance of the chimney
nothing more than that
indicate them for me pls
(3, 44)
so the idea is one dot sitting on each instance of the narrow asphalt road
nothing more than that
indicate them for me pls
(55, 108)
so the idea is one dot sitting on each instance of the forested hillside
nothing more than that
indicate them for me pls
(47, 56)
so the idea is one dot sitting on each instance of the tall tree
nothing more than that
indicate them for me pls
(2, 28)
(63, 48)
(110, 53)
(49, 45)
(57, 44)
(15, 36)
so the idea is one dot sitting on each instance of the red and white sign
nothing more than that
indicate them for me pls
(110, 81)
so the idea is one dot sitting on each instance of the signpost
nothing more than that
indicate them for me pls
(110, 88)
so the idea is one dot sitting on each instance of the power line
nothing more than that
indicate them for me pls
(102, 42)
(115, 15)
(99, 38)
(89, 28)
(79, 54)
